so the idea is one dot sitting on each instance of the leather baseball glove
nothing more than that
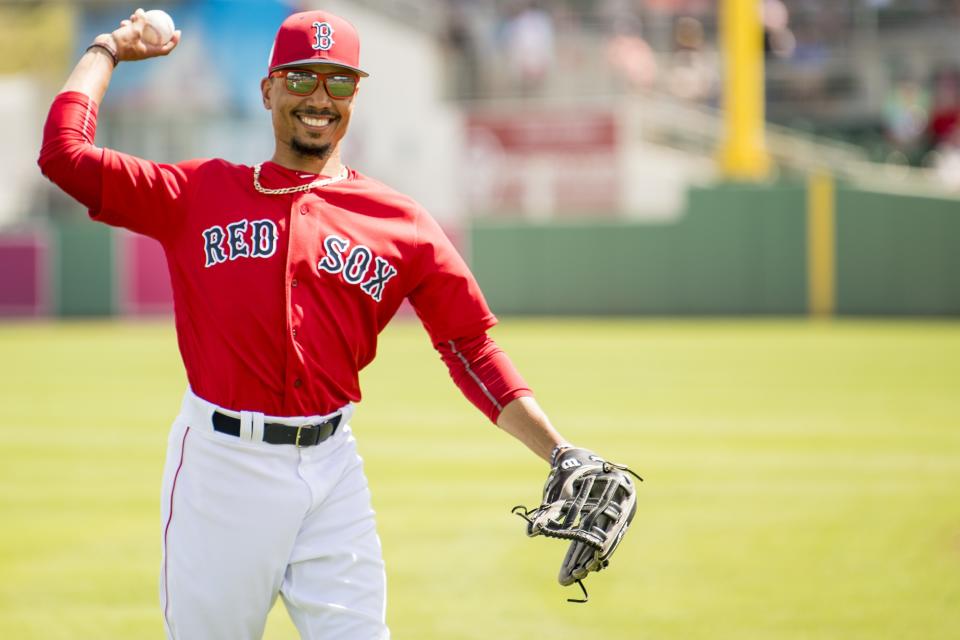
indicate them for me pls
(588, 501)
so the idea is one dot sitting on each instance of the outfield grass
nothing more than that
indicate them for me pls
(803, 481)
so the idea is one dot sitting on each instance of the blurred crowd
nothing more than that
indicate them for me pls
(529, 47)
(880, 73)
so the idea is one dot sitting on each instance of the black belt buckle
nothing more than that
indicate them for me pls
(305, 435)
(312, 430)
(296, 442)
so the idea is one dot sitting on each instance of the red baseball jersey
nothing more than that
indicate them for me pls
(279, 298)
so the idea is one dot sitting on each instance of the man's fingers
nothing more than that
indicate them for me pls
(174, 41)
(138, 17)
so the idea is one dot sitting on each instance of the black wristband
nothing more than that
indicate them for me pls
(108, 49)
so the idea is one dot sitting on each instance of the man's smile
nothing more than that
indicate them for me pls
(315, 121)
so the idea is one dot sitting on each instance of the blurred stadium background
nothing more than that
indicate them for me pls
(825, 178)
(690, 180)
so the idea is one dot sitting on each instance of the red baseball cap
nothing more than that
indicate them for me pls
(316, 37)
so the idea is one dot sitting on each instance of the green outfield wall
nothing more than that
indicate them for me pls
(736, 249)
(897, 254)
(84, 269)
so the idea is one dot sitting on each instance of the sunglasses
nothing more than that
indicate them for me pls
(301, 82)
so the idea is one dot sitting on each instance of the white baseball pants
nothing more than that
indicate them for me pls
(243, 520)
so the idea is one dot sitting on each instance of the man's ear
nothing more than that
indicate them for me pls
(265, 88)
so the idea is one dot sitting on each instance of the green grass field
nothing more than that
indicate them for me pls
(803, 481)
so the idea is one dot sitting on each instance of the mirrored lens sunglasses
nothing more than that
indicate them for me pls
(302, 82)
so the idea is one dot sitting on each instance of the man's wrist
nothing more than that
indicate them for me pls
(557, 450)
(106, 44)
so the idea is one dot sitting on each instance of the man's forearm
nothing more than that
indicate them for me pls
(525, 420)
(92, 74)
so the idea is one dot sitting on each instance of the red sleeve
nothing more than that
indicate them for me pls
(484, 373)
(67, 156)
(117, 188)
(447, 298)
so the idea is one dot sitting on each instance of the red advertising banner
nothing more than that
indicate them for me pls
(142, 276)
(25, 285)
(542, 163)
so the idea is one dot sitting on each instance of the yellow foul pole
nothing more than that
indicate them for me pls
(821, 244)
(743, 154)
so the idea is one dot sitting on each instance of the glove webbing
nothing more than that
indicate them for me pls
(586, 486)
(603, 504)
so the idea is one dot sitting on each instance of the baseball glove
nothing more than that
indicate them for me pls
(588, 501)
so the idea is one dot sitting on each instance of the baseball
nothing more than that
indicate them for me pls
(159, 28)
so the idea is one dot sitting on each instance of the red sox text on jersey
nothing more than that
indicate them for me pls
(258, 239)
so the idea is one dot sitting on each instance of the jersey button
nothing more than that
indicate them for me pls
(293, 282)
(297, 383)
(294, 333)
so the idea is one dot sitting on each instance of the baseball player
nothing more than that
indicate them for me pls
(283, 275)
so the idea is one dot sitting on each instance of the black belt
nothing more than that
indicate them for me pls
(306, 435)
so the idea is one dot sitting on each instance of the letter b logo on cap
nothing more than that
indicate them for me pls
(324, 36)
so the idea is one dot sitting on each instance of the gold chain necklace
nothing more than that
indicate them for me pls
(321, 182)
